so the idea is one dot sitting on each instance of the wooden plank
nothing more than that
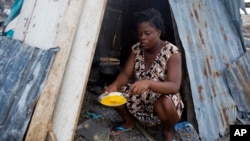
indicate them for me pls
(53, 23)
(72, 92)
(44, 22)
(24, 19)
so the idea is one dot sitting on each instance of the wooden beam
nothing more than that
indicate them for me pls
(43, 21)
(50, 24)
(72, 91)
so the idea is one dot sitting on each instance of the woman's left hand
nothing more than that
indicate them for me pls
(139, 87)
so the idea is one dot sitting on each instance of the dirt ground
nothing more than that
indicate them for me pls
(105, 117)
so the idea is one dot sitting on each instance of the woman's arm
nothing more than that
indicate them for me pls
(174, 76)
(124, 76)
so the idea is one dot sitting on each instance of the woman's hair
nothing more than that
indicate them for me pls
(153, 17)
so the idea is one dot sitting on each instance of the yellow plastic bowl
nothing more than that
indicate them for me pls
(112, 99)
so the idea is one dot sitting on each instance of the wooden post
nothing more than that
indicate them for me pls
(69, 103)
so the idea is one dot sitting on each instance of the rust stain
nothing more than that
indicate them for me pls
(225, 59)
(245, 82)
(214, 90)
(241, 70)
(225, 119)
(201, 37)
(208, 65)
(200, 89)
(195, 12)
(205, 72)
(196, 16)
(224, 35)
(216, 74)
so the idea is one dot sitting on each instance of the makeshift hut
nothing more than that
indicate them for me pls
(80, 33)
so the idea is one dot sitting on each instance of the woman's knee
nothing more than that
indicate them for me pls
(164, 107)
(163, 103)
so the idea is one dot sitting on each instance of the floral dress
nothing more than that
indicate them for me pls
(141, 106)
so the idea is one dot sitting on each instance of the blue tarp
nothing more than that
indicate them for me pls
(23, 72)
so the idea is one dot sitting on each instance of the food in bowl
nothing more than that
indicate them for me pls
(112, 99)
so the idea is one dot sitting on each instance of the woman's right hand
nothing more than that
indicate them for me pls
(111, 88)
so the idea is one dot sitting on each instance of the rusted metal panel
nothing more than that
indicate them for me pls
(211, 43)
(233, 7)
(23, 72)
(238, 79)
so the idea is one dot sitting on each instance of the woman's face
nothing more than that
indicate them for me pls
(148, 35)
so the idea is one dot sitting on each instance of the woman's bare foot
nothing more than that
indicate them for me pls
(118, 129)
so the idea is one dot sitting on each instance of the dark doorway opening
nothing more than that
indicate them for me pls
(128, 35)
(118, 34)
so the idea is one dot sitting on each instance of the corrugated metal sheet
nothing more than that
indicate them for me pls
(23, 71)
(211, 42)
(233, 7)
(238, 78)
